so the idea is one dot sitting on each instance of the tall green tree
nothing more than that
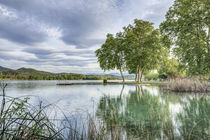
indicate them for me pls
(111, 54)
(144, 48)
(187, 25)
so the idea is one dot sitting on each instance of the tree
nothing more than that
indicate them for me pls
(144, 48)
(171, 69)
(187, 25)
(111, 54)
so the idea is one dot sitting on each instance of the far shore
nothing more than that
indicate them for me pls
(115, 83)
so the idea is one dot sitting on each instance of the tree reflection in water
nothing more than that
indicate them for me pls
(195, 119)
(142, 115)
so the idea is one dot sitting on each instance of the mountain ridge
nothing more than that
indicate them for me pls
(4, 68)
(29, 70)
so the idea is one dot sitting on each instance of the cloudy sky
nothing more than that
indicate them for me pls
(62, 35)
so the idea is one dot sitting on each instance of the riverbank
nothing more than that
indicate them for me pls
(116, 83)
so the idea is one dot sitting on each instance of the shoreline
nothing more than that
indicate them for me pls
(115, 83)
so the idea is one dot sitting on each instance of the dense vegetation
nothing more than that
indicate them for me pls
(180, 49)
(32, 74)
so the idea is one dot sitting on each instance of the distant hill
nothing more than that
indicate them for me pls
(3, 68)
(31, 71)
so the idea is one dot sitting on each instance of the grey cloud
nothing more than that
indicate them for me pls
(39, 51)
(47, 56)
(45, 60)
(44, 53)
(17, 31)
(76, 20)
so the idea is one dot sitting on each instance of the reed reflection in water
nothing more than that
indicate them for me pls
(146, 114)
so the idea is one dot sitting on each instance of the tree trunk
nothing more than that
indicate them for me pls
(139, 80)
(136, 77)
(142, 71)
(137, 74)
(140, 74)
(123, 78)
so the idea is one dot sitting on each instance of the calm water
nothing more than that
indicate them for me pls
(141, 111)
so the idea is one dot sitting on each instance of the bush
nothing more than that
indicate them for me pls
(105, 81)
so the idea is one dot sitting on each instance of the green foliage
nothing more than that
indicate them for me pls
(139, 48)
(111, 54)
(171, 69)
(151, 76)
(187, 25)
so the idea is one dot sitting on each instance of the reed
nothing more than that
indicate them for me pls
(21, 120)
(188, 85)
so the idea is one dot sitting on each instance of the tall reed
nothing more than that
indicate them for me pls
(188, 85)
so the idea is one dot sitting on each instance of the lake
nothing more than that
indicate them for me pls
(140, 111)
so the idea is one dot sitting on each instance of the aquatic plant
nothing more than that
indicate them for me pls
(21, 120)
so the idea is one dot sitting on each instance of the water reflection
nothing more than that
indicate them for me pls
(145, 115)
(195, 118)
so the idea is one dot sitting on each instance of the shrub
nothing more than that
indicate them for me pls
(105, 81)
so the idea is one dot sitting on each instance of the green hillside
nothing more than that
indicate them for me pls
(31, 71)
(33, 74)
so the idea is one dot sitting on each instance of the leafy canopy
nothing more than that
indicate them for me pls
(145, 49)
(111, 54)
(187, 24)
